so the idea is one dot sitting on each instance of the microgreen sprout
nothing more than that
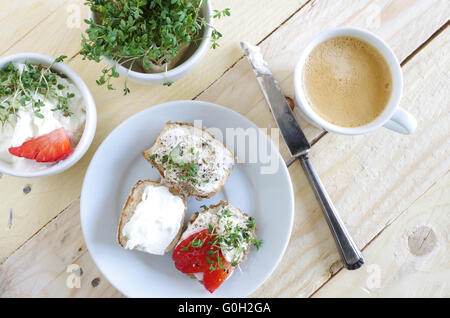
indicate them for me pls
(29, 86)
(234, 236)
(143, 32)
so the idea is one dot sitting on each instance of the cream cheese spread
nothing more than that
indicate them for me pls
(254, 55)
(155, 222)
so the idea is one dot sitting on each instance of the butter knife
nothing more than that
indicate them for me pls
(299, 147)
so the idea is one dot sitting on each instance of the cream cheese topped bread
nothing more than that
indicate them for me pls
(237, 229)
(152, 219)
(216, 241)
(191, 163)
(190, 160)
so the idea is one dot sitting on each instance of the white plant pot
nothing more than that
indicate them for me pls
(192, 58)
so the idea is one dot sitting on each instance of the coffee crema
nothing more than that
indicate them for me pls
(347, 81)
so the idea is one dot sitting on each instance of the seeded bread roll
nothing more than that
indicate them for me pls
(196, 224)
(190, 160)
(128, 210)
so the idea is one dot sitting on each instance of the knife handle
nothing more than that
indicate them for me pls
(350, 254)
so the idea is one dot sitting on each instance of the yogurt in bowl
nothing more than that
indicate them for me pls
(47, 116)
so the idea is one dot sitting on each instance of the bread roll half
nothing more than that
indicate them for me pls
(191, 160)
(152, 219)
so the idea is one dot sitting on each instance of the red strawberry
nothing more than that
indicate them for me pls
(213, 279)
(50, 147)
(196, 254)
(191, 260)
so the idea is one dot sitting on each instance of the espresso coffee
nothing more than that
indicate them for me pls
(347, 81)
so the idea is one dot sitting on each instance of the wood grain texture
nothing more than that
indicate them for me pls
(92, 284)
(57, 33)
(29, 13)
(53, 36)
(371, 179)
(410, 258)
(55, 263)
(400, 172)
(395, 22)
(42, 259)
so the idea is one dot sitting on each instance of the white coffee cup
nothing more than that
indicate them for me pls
(393, 117)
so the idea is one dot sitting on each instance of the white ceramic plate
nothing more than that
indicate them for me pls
(118, 164)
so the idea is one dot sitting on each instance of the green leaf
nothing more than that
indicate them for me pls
(38, 114)
(60, 58)
(143, 32)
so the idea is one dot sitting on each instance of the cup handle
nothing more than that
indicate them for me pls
(402, 122)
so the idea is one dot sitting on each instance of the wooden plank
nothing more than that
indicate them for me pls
(55, 263)
(91, 284)
(410, 258)
(404, 25)
(54, 37)
(58, 34)
(371, 179)
(311, 257)
(30, 13)
(41, 259)
(237, 89)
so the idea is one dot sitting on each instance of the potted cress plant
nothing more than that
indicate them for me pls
(149, 41)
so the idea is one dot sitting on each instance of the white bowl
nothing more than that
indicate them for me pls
(89, 128)
(177, 72)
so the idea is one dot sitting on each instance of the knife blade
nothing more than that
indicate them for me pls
(299, 147)
(292, 134)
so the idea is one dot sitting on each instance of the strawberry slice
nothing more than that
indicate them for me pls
(196, 254)
(213, 279)
(50, 147)
(190, 259)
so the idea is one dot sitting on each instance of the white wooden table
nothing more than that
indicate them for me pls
(392, 191)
